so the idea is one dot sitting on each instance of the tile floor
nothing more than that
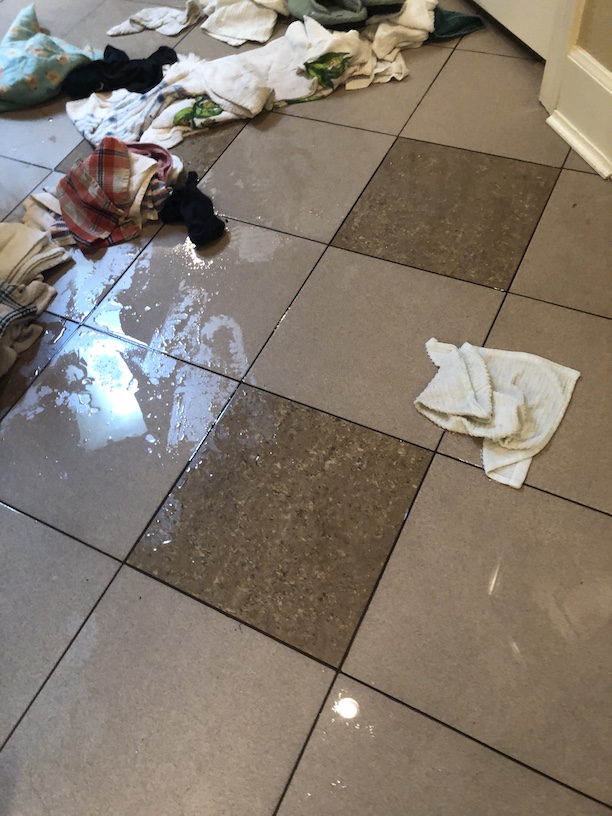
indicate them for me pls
(221, 516)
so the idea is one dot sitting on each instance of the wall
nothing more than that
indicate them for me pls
(596, 31)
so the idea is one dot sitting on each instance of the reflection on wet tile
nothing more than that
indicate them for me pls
(568, 259)
(108, 427)
(17, 180)
(162, 706)
(493, 615)
(370, 755)
(323, 169)
(83, 281)
(353, 341)
(198, 304)
(450, 211)
(489, 103)
(30, 363)
(285, 520)
(42, 134)
(48, 585)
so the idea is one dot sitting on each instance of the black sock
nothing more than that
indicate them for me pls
(196, 208)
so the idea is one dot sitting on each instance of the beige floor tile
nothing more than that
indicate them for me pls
(162, 706)
(577, 462)
(110, 426)
(48, 585)
(576, 162)
(92, 30)
(197, 304)
(57, 16)
(42, 134)
(488, 103)
(17, 180)
(569, 258)
(492, 39)
(393, 761)
(383, 108)
(353, 341)
(294, 175)
(493, 615)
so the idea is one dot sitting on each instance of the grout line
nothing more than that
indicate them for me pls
(305, 745)
(486, 745)
(522, 258)
(59, 530)
(384, 566)
(231, 617)
(527, 484)
(58, 661)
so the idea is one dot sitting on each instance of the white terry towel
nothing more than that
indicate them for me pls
(238, 21)
(163, 19)
(512, 400)
(25, 252)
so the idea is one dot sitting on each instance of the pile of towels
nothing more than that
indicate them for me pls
(106, 198)
(307, 63)
(25, 253)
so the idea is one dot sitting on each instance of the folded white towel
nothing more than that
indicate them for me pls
(163, 19)
(25, 252)
(512, 400)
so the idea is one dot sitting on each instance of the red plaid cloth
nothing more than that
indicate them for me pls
(94, 197)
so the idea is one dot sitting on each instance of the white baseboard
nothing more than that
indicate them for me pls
(583, 115)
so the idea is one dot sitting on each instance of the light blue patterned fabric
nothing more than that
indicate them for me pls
(33, 64)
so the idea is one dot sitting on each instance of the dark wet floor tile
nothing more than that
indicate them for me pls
(451, 211)
(31, 362)
(285, 520)
(82, 151)
(201, 151)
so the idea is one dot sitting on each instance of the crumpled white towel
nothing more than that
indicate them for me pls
(19, 305)
(409, 28)
(25, 252)
(163, 19)
(514, 401)
(238, 21)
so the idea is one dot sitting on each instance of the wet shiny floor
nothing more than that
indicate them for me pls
(241, 575)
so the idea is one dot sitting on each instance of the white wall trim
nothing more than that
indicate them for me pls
(583, 112)
(565, 32)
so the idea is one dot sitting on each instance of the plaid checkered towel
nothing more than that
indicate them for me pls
(94, 197)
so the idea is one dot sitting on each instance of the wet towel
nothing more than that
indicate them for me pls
(162, 19)
(19, 306)
(32, 64)
(513, 401)
(25, 253)
(116, 71)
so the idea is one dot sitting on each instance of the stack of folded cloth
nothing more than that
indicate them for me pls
(25, 253)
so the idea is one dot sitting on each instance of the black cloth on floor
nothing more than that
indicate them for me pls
(451, 24)
(116, 71)
(190, 205)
